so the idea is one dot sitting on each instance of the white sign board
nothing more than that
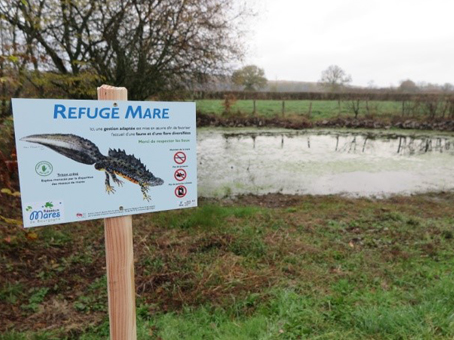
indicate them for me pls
(82, 160)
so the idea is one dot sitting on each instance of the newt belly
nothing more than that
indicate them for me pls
(126, 177)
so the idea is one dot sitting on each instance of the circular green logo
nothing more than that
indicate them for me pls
(44, 168)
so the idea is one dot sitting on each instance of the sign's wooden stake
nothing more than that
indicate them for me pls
(119, 258)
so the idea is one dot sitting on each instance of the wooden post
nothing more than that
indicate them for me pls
(254, 112)
(119, 258)
(283, 108)
(310, 110)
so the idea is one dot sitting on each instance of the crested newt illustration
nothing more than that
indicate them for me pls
(117, 162)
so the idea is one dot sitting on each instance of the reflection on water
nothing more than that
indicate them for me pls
(322, 162)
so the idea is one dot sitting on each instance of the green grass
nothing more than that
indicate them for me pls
(314, 267)
(289, 314)
(321, 109)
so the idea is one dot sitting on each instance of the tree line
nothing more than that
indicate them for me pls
(360, 95)
(69, 47)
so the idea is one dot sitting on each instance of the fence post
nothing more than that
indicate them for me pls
(283, 108)
(119, 258)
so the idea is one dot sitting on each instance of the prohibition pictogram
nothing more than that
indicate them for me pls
(180, 175)
(181, 191)
(179, 157)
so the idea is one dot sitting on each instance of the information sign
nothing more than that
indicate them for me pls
(82, 160)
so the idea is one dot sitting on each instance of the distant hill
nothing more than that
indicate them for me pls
(292, 86)
(223, 83)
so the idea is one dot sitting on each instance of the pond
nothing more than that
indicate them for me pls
(357, 163)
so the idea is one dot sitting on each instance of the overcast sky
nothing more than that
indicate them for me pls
(384, 41)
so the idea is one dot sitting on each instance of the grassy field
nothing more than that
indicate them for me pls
(321, 109)
(274, 267)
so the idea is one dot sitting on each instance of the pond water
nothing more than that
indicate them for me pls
(356, 163)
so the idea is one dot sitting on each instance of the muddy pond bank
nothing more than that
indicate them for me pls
(302, 122)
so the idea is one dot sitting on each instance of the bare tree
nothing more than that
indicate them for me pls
(447, 87)
(371, 85)
(353, 105)
(334, 78)
(148, 46)
(18, 59)
(431, 105)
